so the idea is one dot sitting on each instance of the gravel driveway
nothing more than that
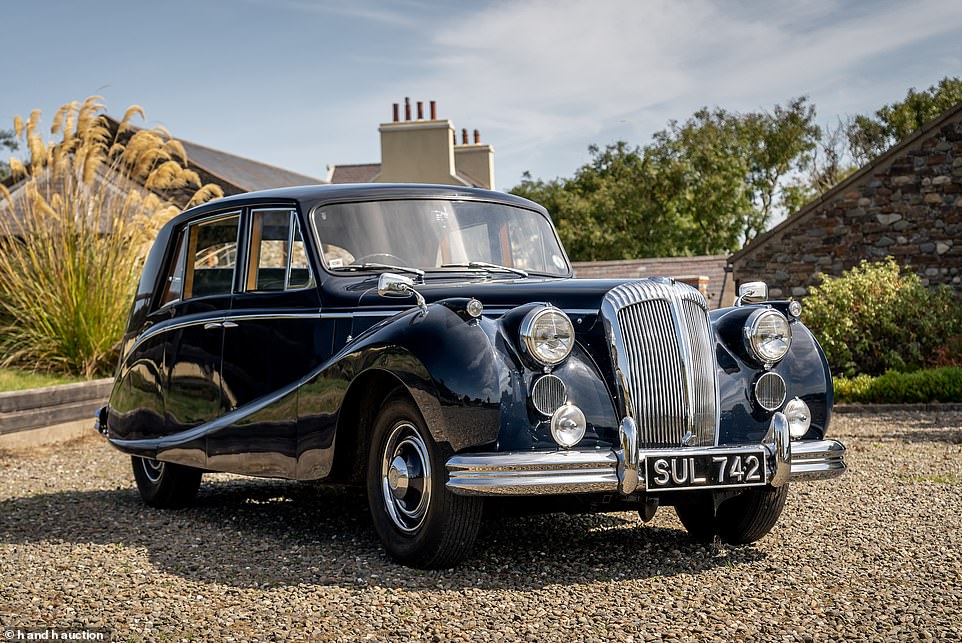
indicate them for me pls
(876, 554)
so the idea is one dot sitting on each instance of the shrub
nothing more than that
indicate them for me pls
(73, 235)
(930, 385)
(876, 318)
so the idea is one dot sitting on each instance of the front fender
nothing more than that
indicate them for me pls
(470, 382)
(446, 362)
(804, 369)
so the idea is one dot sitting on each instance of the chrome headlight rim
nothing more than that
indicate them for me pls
(751, 335)
(529, 342)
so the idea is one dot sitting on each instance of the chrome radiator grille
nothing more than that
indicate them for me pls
(663, 353)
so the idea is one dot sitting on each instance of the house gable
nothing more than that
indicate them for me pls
(907, 203)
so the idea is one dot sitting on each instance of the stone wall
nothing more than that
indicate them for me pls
(707, 273)
(906, 204)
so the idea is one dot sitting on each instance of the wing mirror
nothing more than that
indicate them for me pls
(390, 284)
(752, 292)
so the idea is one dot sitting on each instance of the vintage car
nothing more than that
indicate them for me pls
(431, 343)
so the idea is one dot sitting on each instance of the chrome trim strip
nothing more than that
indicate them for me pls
(594, 471)
(817, 459)
(256, 316)
(533, 474)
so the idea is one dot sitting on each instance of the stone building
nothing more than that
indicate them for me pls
(706, 272)
(907, 204)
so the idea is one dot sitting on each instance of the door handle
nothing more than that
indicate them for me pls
(212, 325)
(229, 324)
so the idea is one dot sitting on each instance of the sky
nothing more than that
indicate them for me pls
(303, 84)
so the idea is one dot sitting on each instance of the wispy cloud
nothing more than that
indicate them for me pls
(396, 15)
(532, 73)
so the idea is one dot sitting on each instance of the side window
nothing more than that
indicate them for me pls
(277, 259)
(203, 261)
(174, 285)
(212, 255)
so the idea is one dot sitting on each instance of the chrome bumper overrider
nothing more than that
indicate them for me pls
(599, 470)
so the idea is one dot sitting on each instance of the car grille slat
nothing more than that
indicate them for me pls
(663, 350)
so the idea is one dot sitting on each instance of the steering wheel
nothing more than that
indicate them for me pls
(391, 259)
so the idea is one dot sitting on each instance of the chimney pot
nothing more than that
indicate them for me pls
(396, 112)
(477, 137)
(434, 110)
(464, 135)
(420, 110)
(407, 108)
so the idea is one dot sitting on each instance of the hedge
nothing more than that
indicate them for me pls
(879, 317)
(930, 385)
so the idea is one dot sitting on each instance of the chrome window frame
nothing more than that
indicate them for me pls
(293, 225)
(186, 229)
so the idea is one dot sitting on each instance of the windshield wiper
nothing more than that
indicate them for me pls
(380, 266)
(487, 266)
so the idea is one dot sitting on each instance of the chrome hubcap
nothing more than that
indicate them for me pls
(406, 477)
(153, 469)
(397, 477)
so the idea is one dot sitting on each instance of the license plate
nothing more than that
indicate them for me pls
(705, 470)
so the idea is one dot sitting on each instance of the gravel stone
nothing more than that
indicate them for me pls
(874, 555)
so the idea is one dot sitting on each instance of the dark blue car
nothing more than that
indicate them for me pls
(431, 343)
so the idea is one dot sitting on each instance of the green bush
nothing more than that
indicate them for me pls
(931, 385)
(875, 318)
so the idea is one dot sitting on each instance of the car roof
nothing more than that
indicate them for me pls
(311, 195)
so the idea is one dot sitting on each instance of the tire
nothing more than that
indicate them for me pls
(419, 521)
(165, 485)
(698, 517)
(743, 519)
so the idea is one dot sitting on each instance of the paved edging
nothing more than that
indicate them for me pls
(51, 405)
(946, 407)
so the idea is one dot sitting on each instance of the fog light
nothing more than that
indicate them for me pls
(568, 425)
(475, 308)
(799, 418)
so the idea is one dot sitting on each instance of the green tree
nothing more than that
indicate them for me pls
(869, 136)
(700, 187)
(827, 165)
(9, 141)
(617, 206)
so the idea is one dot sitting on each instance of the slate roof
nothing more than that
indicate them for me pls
(236, 174)
(366, 172)
(242, 172)
(357, 173)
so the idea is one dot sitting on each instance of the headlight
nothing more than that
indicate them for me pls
(547, 335)
(768, 335)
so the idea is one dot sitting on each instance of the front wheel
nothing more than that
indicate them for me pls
(165, 485)
(420, 522)
(743, 519)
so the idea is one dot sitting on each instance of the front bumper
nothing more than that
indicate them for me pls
(618, 470)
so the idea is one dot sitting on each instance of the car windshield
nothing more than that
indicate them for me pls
(435, 235)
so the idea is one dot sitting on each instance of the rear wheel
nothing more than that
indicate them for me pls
(419, 521)
(163, 484)
(743, 519)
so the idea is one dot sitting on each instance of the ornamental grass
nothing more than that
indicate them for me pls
(75, 227)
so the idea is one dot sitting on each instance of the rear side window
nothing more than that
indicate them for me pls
(277, 259)
(203, 261)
